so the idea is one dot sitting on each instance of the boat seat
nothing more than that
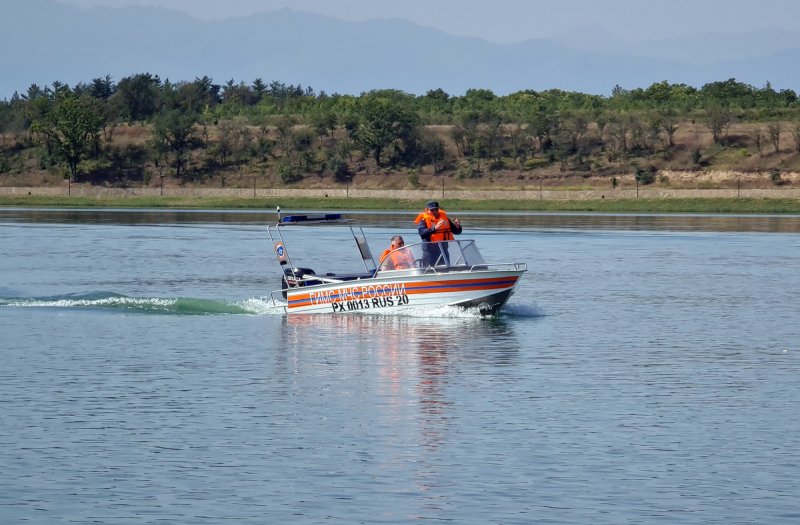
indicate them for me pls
(298, 272)
(294, 277)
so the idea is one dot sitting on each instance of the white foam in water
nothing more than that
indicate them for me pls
(441, 312)
(266, 306)
(522, 310)
(87, 303)
(262, 306)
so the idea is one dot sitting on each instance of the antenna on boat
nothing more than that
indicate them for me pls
(278, 210)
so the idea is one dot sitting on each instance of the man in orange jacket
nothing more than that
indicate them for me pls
(397, 257)
(434, 226)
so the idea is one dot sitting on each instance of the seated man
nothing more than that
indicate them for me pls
(397, 257)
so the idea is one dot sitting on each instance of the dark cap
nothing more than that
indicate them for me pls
(432, 204)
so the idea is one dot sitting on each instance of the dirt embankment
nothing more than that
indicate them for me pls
(694, 162)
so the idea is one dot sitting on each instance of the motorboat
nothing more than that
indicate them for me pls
(425, 274)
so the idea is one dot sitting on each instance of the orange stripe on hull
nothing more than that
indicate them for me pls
(362, 290)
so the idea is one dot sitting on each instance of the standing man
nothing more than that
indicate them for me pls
(435, 227)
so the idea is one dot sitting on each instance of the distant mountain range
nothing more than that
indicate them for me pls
(43, 41)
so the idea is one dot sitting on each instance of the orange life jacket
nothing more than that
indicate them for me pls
(398, 259)
(442, 232)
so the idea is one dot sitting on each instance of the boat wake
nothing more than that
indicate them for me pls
(453, 312)
(253, 306)
(147, 305)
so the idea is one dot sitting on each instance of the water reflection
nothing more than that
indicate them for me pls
(395, 219)
(410, 374)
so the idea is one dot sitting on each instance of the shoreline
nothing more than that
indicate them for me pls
(479, 194)
(386, 200)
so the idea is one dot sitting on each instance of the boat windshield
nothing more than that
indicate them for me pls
(443, 255)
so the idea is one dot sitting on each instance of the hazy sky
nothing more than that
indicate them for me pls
(507, 21)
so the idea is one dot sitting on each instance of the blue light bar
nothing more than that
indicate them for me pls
(311, 218)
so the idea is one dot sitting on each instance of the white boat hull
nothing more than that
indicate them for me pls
(486, 291)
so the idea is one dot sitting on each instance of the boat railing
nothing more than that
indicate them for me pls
(277, 298)
(436, 270)
(292, 221)
(439, 257)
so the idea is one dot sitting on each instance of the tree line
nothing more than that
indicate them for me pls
(201, 128)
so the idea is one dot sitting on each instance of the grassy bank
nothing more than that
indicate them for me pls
(672, 205)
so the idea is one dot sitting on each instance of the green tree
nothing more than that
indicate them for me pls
(323, 121)
(233, 141)
(35, 104)
(759, 139)
(284, 126)
(139, 96)
(796, 136)
(196, 96)
(718, 119)
(340, 169)
(102, 88)
(491, 138)
(477, 100)
(59, 89)
(34, 92)
(543, 122)
(237, 95)
(259, 89)
(174, 132)
(433, 151)
(645, 175)
(520, 142)
(617, 130)
(302, 149)
(436, 104)
(666, 121)
(774, 130)
(71, 127)
(729, 93)
(381, 123)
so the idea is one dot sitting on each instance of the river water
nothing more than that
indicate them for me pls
(646, 371)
